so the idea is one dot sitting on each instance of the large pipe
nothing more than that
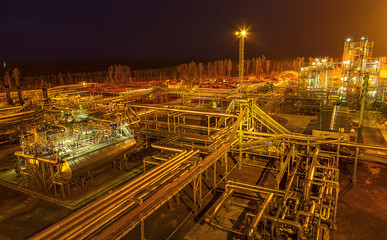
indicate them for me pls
(258, 217)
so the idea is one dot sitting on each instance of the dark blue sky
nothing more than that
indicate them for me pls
(184, 29)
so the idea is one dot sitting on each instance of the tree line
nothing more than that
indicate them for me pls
(123, 75)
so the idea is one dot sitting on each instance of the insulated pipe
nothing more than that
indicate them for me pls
(75, 220)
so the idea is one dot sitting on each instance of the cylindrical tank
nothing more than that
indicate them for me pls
(94, 159)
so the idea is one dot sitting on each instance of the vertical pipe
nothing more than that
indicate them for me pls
(362, 108)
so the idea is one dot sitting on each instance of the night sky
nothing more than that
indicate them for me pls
(37, 30)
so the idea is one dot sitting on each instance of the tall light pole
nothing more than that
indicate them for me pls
(241, 35)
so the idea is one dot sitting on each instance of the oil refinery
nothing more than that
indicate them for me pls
(274, 157)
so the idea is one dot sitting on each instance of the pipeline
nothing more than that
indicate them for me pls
(117, 210)
(99, 209)
(224, 197)
(127, 223)
(311, 175)
(96, 206)
(42, 159)
(184, 111)
(257, 219)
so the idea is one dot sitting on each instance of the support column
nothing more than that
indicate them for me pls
(197, 194)
(142, 230)
(355, 166)
(215, 184)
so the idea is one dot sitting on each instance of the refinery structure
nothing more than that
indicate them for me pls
(239, 163)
